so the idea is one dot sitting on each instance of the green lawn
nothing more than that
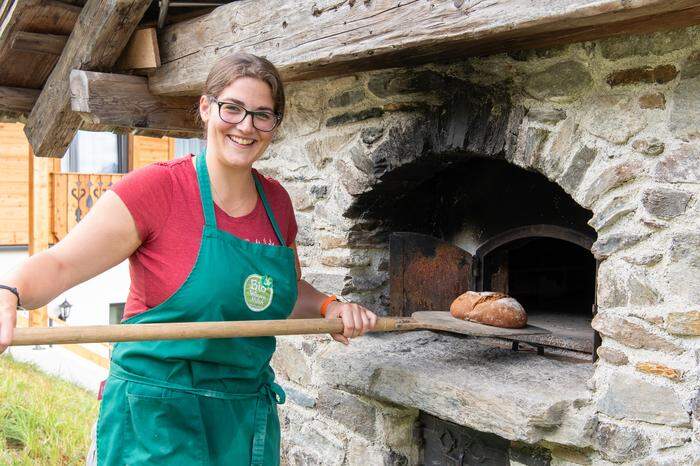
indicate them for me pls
(43, 419)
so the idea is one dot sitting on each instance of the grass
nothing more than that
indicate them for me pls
(43, 420)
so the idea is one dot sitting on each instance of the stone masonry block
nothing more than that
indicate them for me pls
(563, 142)
(560, 82)
(630, 397)
(612, 356)
(685, 109)
(683, 271)
(607, 245)
(612, 178)
(614, 118)
(617, 208)
(632, 334)
(659, 75)
(291, 363)
(579, 165)
(665, 203)
(619, 443)
(645, 44)
(683, 323)
(654, 368)
(654, 100)
(649, 146)
(348, 410)
(680, 166)
(546, 115)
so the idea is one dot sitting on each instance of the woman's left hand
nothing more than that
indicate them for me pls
(356, 319)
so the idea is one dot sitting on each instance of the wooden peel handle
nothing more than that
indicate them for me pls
(193, 330)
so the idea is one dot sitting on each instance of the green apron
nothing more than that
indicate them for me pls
(206, 401)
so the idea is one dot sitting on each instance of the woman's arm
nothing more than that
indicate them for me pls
(356, 319)
(104, 238)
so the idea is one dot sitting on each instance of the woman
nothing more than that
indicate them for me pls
(208, 239)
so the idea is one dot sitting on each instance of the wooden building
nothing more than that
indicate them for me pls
(14, 183)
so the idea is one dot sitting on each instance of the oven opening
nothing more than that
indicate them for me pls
(554, 280)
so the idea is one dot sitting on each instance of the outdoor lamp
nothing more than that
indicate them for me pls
(64, 310)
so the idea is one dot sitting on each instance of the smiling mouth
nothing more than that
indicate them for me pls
(241, 141)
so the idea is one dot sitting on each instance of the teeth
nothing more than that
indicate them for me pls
(244, 141)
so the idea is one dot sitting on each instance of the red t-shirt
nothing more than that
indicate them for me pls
(164, 201)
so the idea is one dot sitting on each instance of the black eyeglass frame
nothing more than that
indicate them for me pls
(247, 112)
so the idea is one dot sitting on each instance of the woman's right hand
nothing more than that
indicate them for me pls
(8, 318)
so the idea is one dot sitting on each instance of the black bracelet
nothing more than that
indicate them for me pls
(13, 291)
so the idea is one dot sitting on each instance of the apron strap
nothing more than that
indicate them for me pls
(208, 201)
(274, 395)
(270, 214)
(205, 190)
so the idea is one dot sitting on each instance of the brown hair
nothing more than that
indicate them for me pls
(239, 64)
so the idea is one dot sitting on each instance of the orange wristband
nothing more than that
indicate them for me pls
(326, 302)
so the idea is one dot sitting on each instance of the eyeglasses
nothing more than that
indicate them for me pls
(233, 114)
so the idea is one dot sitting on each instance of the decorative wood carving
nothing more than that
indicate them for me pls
(72, 197)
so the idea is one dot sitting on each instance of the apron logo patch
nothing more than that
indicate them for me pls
(257, 292)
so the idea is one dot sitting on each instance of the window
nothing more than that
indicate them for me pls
(93, 152)
(116, 313)
(185, 147)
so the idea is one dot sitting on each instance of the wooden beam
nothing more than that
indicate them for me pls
(17, 100)
(47, 16)
(306, 42)
(141, 53)
(30, 42)
(100, 34)
(30, 70)
(124, 101)
(39, 217)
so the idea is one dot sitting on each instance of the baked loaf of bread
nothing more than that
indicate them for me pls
(489, 308)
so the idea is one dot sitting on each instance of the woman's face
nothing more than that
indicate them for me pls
(241, 144)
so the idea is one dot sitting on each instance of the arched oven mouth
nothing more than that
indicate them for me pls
(548, 268)
(551, 271)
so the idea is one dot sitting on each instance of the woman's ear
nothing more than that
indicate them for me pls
(204, 108)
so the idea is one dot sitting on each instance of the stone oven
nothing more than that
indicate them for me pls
(519, 234)
(568, 177)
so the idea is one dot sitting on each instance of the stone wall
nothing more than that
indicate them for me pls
(615, 123)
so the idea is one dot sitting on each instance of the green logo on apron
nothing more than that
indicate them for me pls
(257, 291)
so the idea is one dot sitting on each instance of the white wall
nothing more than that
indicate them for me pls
(90, 299)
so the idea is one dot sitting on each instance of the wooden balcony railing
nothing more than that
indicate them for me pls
(72, 196)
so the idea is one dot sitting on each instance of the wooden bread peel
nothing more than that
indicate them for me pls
(427, 320)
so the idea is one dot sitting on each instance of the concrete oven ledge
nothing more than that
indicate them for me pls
(476, 383)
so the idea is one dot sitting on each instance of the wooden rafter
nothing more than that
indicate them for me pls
(97, 40)
(124, 101)
(349, 36)
(30, 42)
(20, 21)
(15, 100)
